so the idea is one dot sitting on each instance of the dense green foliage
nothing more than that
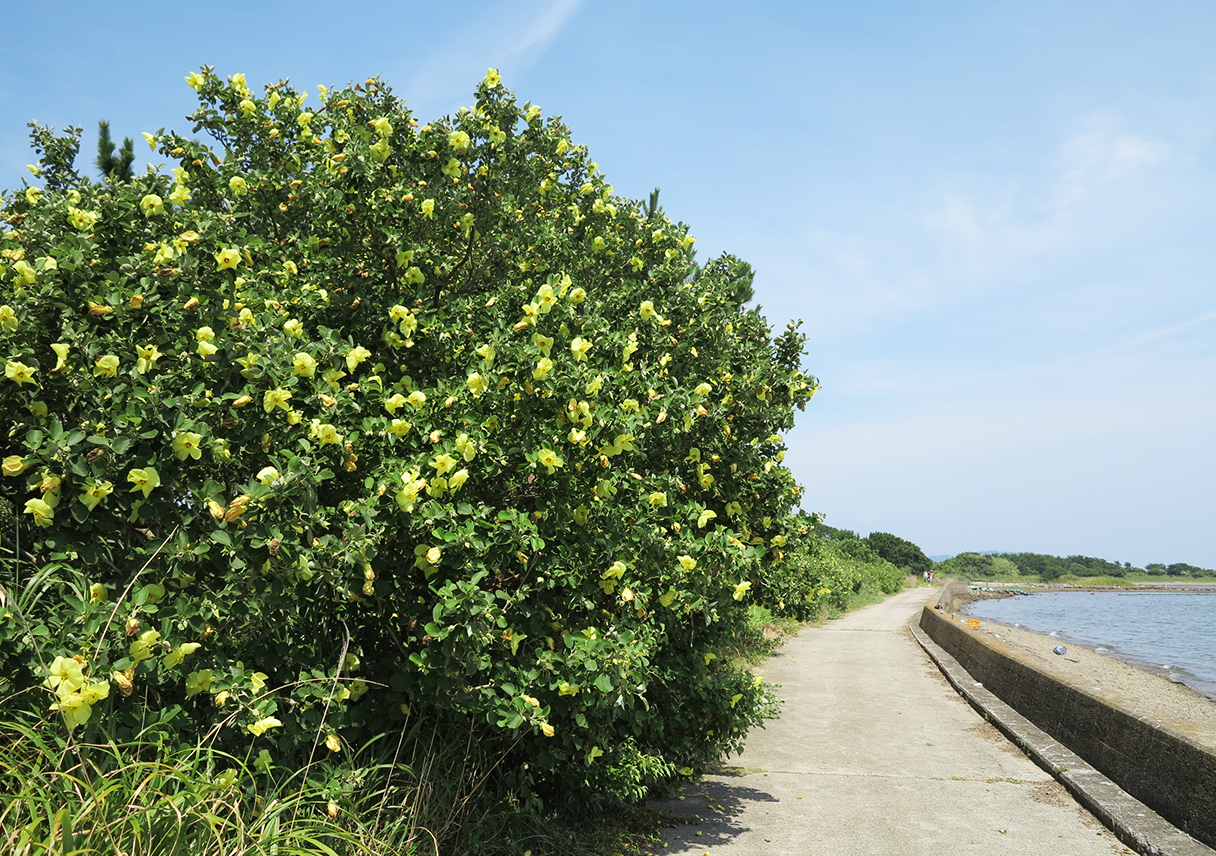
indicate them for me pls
(346, 424)
(899, 552)
(824, 568)
(111, 164)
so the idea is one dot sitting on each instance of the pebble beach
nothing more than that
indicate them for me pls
(1145, 694)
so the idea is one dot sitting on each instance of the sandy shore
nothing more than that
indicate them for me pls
(1148, 696)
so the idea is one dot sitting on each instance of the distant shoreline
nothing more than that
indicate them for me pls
(1003, 588)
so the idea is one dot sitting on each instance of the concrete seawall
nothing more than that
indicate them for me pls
(1156, 762)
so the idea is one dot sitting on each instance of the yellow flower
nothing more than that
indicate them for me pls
(14, 465)
(238, 83)
(399, 427)
(703, 388)
(197, 682)
(276, 398)
(451, 168)
(238, 185)
(476, 384)
(459, 141)
(304, 365)
(599, 244)
(443, 464)
(246, 106)
(25, 273)
(267, 475)
(636, 263)
(492, 78)
(393, 403)
(8, 319)
(466, 447)
(174, 657)
(263, 725)
(229, 257)
(82, 221)
(145, 479)
(705, 517)
(204, 334)
(646, 310)
(33, 194)
(428, 208)
(741, 589)
(544, 344)
(380, 150)
(292, 327)
(332, 743)
(18, 372)
(97, 593)
(550, 460)
(66, 676)
(382, 126)
(733, 509)
(92, 494)
(688, 563)
(542, 369)
(658, 499)
(195, 81)
(141, 648)
(206, 349)
(580, 347)
(355, 356)
(106, 366)
(179, 196)
(497, 136)
(152, 205)
(615, 571)
(545, 299)
(43, 513)
(576, 295)
(458, 478)
(148, 355)
(328, 434)
(417, 398)
(187, 444)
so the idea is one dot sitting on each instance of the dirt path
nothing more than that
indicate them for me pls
(876, 754)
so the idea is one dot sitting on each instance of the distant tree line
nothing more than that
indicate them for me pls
(971, 565)
(908, 556)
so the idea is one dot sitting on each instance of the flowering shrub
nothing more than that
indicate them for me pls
(345, 420)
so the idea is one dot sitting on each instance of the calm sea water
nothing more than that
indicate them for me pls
(1173, 635)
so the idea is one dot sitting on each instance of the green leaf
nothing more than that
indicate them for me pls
(219, 536)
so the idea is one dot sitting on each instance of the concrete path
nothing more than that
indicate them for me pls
(876, 754)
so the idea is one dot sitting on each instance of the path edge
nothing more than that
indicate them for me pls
(1135, 824)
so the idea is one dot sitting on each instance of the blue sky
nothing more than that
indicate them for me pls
(995, 219)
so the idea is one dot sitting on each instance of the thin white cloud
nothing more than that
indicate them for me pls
(1094, 191)
(511, 40)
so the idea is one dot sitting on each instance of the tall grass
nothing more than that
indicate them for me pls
(61, 797)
